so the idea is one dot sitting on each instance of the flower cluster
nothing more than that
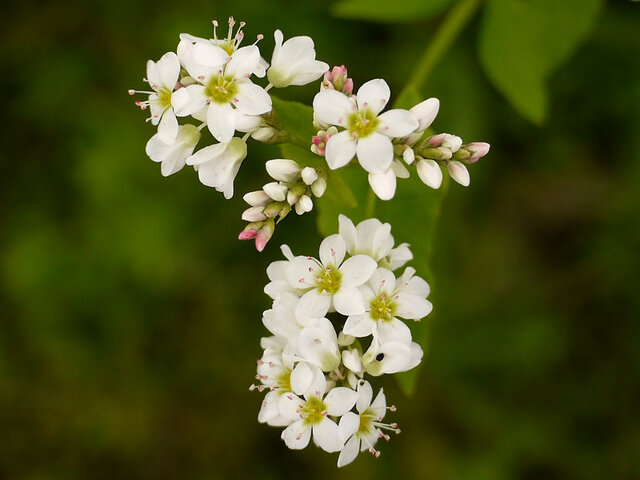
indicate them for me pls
(211, 81)
(352, 126)
(334, 320)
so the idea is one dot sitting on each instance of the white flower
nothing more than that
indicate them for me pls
(362, 430)
(390, 357)
(367, 134)
(223, 84)
(330, 280)
(311, 415)
(282, 169)
(370, 237)
(318, 345)
(172, 155)
(294, 62)
(425, 112)
(385, 299)
(162, 77)
(276, 271)
(217, 165)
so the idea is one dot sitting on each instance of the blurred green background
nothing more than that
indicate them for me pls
(130, 314)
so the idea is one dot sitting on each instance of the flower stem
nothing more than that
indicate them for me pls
(457, 18)
(370, 207)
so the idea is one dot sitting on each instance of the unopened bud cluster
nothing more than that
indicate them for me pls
(336, 321)
(293, 187)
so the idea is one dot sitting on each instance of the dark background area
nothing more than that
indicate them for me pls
(130, 314)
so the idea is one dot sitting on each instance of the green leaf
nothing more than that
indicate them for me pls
(389, 11)
(296, 119)
(522, 42)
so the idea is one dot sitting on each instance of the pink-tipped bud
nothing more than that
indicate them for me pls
(250, 231)
(477, 150)
(132, 91)
(337, 79)
(264, 235)
(254, 214)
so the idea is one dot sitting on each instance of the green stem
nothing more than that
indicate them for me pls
(444, 37)
(370, 207)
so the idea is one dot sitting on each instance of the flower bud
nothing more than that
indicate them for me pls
(309, 175)
(477, 150)
(409, 156)
(257, 198)
(254, 214)
(337, 79)
(274, 209)
(459, 173)
(295, 193)
(276, 191)
(319, 187)
(250, 231)
(304, 205)
(265, 134)
(282, 169)
(264, 234)
(429, 172)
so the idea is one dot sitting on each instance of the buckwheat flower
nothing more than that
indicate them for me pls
(162, 77)
(362, 430)
(230, 43)
(425, 112)
(277, 274)
(318, 345)
(172, 155)
(282, 169)
(370, 237)
(338, 79)
(294, 62)
(389, 357)
(223, 84)
(217, 165)
(386, 299)
(311, 416)
(332, 281)
(367, 133)
(429, 172)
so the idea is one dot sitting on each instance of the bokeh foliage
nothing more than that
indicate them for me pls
(131, 315)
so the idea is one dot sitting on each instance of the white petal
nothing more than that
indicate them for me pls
(399, 169)
(327, 436)
(430, 173)
(289, 406)
(206, 154)
(296, 436)
(301, 378)
(412, 306)
(348, 301)
(379, 405)
(269, 407)
(221, 121)
(383, 184)
(209, 55)
(188, 100)
(348, 232)
(252, 99)
(282, 169)
(397, 123)
(425, 112)
(168, 69)
(311, 307)
(349, 452)
(394, 331)
(332, 250)
(358, 325)
(375, 152)
(365, 394)
(373, 95)
(341, 148)
(332, 107)
(348, 425)
(383, 280)
(319, 347)
(459, 173)
(243, 62)
(357, 270)
(168, 127)
(340, 400)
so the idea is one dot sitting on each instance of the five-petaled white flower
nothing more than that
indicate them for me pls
(367, 134)
(163, 77)
(362, 430)
(311, 415)
(173, 154)
(223, 84)
(218, 164)
(330, 281)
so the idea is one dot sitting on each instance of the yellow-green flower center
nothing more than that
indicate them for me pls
(362, 123)
(284, 381)
(329, 279)
(164, 98)
(221, 89)
(382, 307)
(366, 422)
(228, 47)
(312, 411)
